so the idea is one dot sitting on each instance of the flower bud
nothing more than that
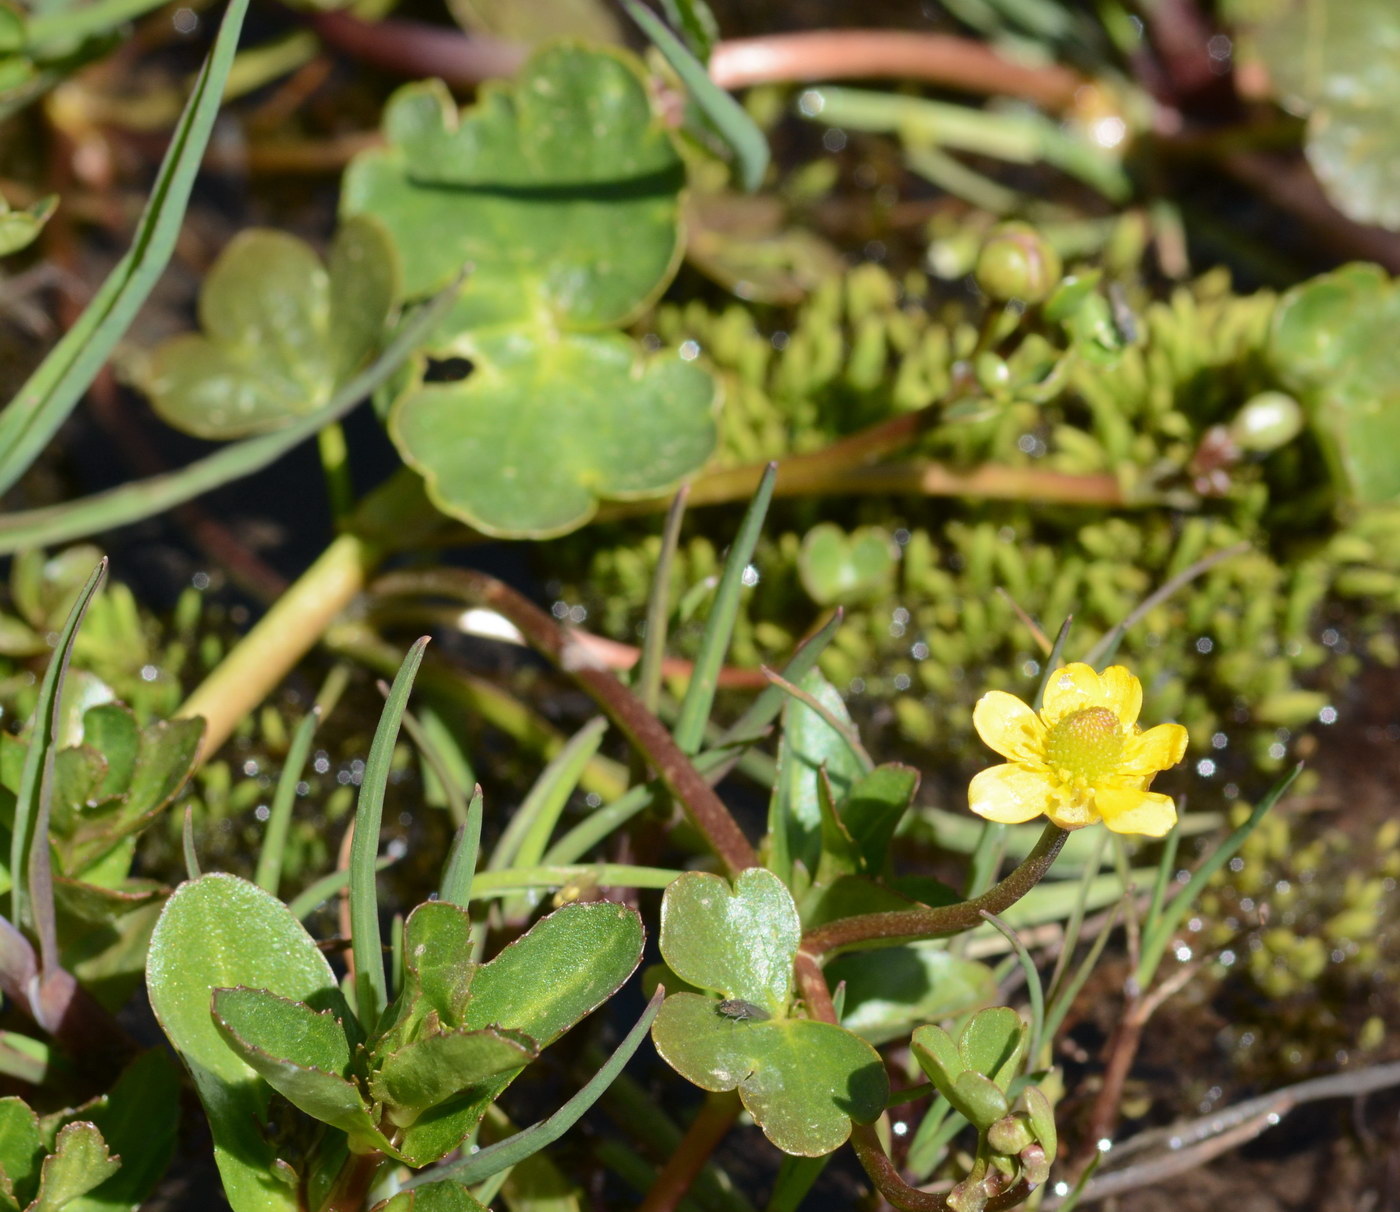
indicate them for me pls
(1017, 262)
(1269, 420)
(1010, 1134)
(1034, 1166)
(968, 1196)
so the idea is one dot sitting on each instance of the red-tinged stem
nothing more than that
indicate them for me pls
(864, 54)
(414, 48)
(906, 924)
(901, 1195)
(710, 1125)
(352, 1187)
(647, 734)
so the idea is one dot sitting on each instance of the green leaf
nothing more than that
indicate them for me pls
(79, 1163)
(220, 931)
(561, 189)
(562, 968)
(280, 332)
(438, 967)
(1042, 1117)
(444, 1196)
(802, 1081)
(550, 423)
(440, 1066)
(846, 569)
(20, 228)
(256, 1020)
(138, 1119)
(104, 934)
(808, 744)
(874, 807)
(993, 1044)
(739, 942)
(978, 1099)
(21, 1149)
(1333, 345)
(1338, 61)
(892, 990)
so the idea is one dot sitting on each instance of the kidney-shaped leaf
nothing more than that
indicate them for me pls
(280, 332)
(549, 423)
(561, 189)
(802, 1081)
(220, 931)
(739, 942)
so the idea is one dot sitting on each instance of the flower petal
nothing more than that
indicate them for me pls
(1145, 812)
(1010, 794)
(1073, 809)
(1122, 693)
(1156, 749)
(1010, 727)
(1072, 688)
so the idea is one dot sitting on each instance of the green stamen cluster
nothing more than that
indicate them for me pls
(1085, 745)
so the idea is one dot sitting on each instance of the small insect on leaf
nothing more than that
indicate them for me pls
(740, 1011)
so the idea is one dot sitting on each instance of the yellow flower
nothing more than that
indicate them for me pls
(1082, 759)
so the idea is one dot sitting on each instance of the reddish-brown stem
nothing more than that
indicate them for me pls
(416, 49)
(811, 982)
(714, 1119)
(901, 1195)
(705, 809)
(946, 919)
(353, 1184)
(869, 53)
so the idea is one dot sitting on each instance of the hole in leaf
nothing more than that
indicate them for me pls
(447, 370)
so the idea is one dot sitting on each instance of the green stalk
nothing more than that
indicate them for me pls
(269, 873)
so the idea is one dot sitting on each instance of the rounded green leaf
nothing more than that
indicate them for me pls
(21, 1147)
(549, 424)
(444, 1196)
(220, 931)
(79, 1162)
(1042, 1117)
(992, 1044)
(978, 1098)
(802, 1081)
(739, 942)
(837, 567)
(280, 333)
(938, 1057)
(560, 189)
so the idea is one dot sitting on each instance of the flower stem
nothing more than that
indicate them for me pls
(902, 924)
(710, 1125)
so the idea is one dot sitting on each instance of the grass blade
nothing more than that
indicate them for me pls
(1155, 943)
(371, 992)
(719, 627)
(187, 842)
(36, 780)
(53, 390)
(132, 502)
(274, 846)
(731, 121)
(515, 1149)
(460, 868)
(658, 604)
(305, 902)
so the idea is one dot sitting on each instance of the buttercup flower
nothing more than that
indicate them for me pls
(1082, 759)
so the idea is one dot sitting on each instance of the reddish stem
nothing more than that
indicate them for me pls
(650, 737)
(710, 1125)
(414, 48)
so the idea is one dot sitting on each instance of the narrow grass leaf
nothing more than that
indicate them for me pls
(54, 389)
(731, 122)
(371, 993)
(274, 846)
(36, 779)
(187, 842)
(460, 869)
(1034, 990)
(658, 606)
(719, 627)
(1154, 943)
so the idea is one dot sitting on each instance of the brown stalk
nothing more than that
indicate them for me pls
(543, 633)
(926, 922)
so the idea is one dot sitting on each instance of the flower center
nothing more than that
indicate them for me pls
(1086, 744)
